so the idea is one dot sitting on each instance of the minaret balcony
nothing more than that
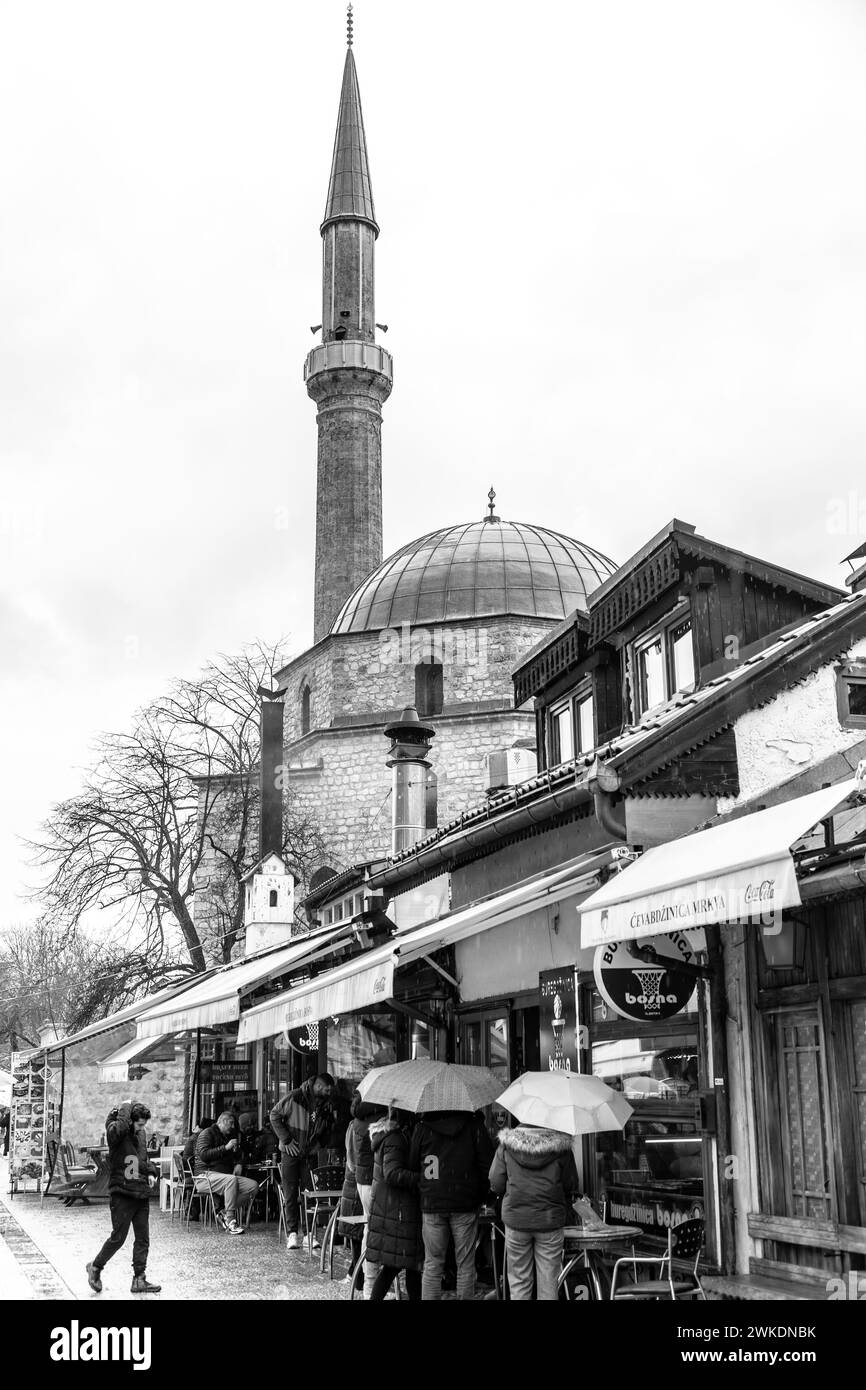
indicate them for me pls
(351, 353)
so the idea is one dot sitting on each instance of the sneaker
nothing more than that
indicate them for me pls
(294, 1241)
(93, 1279)
(234, 1229)
(140, 1285)
(316, 1245)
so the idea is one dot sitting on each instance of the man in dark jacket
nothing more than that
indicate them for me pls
(452, 1152)
(218, 1169)
(129, 1192)
(301, 1121)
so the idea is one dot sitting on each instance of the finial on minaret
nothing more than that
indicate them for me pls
(492, 517)
(349, 22)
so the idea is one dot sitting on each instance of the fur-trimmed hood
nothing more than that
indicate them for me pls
(532, 1147)
(379, 1129)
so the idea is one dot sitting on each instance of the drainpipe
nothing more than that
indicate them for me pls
(603, 782)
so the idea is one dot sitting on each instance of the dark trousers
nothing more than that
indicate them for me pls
(126, 1212)
(293, 1172)
(385, 1278)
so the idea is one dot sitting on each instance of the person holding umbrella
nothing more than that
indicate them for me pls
(394, 1228)
(535, 1170)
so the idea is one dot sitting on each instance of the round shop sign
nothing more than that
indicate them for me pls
(640, 991)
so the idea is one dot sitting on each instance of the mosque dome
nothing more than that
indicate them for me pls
(481, 569)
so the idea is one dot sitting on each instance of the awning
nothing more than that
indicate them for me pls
(128, 1014)
(729, 873)
(360, 983)
(115, 1067)
(218, 998)
(368, 979)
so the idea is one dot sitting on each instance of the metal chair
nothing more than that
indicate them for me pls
(181, 1185)
(684, 1243)
(325, 1190)
(204, 1196)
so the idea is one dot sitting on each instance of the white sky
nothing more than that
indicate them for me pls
(623, 261)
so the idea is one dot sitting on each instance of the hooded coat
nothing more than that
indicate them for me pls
(452, 1150)
(394, 1227)
(127, 1155)
(535, 1169)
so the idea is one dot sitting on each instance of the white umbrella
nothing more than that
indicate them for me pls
(565, 1101)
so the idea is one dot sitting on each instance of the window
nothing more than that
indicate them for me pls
(272, 898)
(851, 695)
(572, 727)
(305, 710)
(562, 734)
(429, 688)
(664, 663)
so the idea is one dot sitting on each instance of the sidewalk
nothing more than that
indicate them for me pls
(51, 1244)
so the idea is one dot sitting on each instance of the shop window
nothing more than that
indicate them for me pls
(663, 663)
(851, 695)
(357, 1042)
(429, 688)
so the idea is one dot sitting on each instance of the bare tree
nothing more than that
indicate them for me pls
(47, 976)
(170, 807)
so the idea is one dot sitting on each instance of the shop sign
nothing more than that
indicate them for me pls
(304, 1039)
(645, 992)
(656, 1216)
(236, 1101)
(213, 1073)
(558, 1019)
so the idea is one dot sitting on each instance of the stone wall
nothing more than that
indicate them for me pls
(87, 1100)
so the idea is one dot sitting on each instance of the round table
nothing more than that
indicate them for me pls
(585, 1245)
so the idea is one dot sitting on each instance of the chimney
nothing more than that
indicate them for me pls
(407, 756)
(270, 763)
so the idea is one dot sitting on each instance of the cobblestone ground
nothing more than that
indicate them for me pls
(44, 1249)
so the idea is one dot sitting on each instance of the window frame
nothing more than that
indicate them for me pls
(571, 702)
(661, 631)
(848, 674)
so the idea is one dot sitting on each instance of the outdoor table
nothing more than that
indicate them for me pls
(266, 1173)
(588, 1245)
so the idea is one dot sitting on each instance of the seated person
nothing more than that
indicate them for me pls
(217, 1155)
(253, 1141)
(189, 1144)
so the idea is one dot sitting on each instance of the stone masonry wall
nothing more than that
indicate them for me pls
(87, 1100)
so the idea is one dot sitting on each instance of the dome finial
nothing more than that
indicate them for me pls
(492, 517)
(349, 23)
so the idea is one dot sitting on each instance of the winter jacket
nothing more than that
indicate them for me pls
(535, 1169)
(452, 1150)
(211, 1154)
(394, 1227)
(301, 1119)
(358, 1149)
(350, 1205)
(127, 1155)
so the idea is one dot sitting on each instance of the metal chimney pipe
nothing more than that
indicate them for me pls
(407, 756)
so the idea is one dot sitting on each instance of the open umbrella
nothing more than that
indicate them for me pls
(566, 1102)
(426, 1085)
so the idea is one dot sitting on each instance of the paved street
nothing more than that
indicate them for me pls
(43, 1251)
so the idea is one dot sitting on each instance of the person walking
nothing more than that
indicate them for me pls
(452, 1153)
(129, 1195)
(535, 1170)
(394, 1228)
(302, 1121)
(359, 1152)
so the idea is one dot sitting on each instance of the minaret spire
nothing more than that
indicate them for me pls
(349, 375)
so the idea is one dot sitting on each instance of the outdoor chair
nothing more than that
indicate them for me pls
(684, 1243)
(69, 1181)
(320, 1198)
(182, 1185)
(204, 1196)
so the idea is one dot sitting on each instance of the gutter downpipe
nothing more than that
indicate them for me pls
(603, 781)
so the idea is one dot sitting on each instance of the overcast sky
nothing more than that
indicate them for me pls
(622, 258)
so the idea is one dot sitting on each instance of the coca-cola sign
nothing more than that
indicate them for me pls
(645, 991)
